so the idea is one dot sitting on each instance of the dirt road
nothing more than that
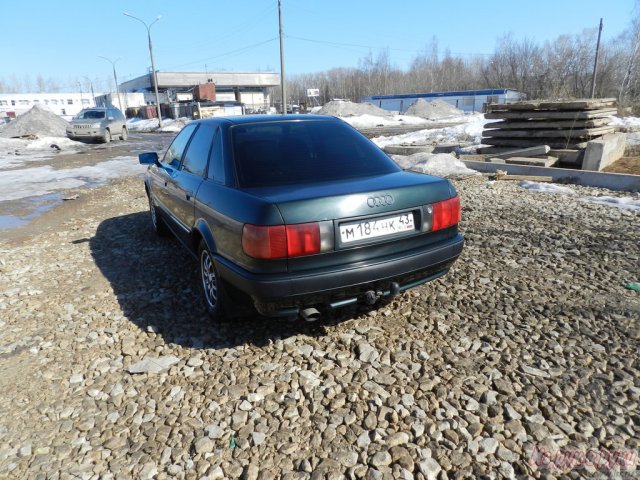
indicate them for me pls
(529, 345)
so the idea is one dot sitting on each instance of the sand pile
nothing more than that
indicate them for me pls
(38, 121)
(433, 110)
(348, 109)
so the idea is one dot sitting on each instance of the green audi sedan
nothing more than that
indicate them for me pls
(299, 213)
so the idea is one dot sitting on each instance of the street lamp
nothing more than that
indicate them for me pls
(153, 66)
(115, 77)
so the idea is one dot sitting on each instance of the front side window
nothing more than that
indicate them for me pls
(195, 159)
(175, 151)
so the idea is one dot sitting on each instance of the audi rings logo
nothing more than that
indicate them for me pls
(380, 201)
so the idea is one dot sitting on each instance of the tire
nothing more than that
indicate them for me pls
(125, 134)
(107, 136)
(157, 223)
(213, 295)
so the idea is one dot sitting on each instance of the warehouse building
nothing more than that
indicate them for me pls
(468, 100)
(251, 89)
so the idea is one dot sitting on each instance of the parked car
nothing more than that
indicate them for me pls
(98, 123)
(300, 213)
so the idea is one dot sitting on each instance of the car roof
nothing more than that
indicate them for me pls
(244, 119)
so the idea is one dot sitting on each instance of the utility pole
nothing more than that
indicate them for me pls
(153, 66)
(115, 77)
(283, 89)
(595, 63)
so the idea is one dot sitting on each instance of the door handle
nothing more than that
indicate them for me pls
(188, 194)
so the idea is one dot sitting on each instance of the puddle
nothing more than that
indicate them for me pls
(8, 221)
(27, 210)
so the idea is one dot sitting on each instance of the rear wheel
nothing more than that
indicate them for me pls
(107, 136)
(215, 300)
(125, 134)
(156, 222)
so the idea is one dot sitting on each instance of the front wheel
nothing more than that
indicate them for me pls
(106, 138)
(212, 289)
(156, 222)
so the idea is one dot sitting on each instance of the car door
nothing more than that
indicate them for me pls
(192, 171)
(163, 177)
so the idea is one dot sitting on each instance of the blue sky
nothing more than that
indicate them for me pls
(63, 39)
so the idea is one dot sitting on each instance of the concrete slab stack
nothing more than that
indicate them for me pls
(566, 127)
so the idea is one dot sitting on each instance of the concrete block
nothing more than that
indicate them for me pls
(571, 157)
(533, 161)
(612, 181)
(604, 151)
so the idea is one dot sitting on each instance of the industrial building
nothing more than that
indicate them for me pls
(251, 89)
(468, 100)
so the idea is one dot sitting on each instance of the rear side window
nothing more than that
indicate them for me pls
(195, 159)
(290, 152)
(175, 151)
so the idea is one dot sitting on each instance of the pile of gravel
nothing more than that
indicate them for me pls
(38, 121)
(433, 110)
(346, 109)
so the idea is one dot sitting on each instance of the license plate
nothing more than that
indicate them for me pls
(379, 227)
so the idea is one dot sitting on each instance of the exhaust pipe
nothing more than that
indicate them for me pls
(310, 314)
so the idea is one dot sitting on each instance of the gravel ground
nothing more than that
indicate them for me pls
(529, 344)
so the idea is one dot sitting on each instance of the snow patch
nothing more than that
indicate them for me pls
(32, 182)
(16, 151)
(546, 188)
(439, 164)
(470, 131)
(371, 121)
(627, 122)
(169, 125)
(618, 202)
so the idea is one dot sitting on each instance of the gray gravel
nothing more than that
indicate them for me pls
(530, 342)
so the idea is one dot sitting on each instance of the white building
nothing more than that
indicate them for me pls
(64, 104)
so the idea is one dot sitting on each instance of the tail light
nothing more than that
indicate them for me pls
(441, 215)
(286, 241)
(264, 242)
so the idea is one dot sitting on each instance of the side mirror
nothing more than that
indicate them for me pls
(148, 158)
(110, 118)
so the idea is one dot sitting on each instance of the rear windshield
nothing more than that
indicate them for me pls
(290, 152)
(90, 114)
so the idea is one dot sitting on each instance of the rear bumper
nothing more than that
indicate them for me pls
(276, 294)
